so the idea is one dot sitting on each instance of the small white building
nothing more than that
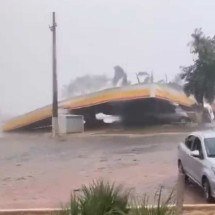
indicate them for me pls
(69, 123)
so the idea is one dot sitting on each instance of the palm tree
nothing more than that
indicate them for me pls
(148, 78)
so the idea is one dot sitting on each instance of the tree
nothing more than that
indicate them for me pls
(200, 76)
(178, 80)
(147, 77)
(91, 83)
(119, 75)
(176, 83)
(85, 84)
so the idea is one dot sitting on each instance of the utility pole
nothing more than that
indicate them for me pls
(55, 127)
(180, 194)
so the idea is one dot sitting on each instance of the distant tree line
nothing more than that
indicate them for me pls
(90, 83)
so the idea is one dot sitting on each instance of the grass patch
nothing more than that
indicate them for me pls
(162, 206)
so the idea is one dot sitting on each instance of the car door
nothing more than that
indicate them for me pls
(186, 160)
(196, 163)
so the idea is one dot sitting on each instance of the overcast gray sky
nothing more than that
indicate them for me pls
(92, 36)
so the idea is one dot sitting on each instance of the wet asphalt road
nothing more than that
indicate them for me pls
(37, 171)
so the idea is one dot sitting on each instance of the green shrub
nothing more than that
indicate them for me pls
(162, 207)
(99, 198)
(103, 198)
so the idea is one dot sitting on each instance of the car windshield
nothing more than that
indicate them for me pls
(210, 146)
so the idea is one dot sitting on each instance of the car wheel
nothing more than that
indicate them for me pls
(187, 180)
(207, 191)
(180, 167)
(181, 171)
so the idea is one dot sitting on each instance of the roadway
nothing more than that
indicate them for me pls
(37, 171)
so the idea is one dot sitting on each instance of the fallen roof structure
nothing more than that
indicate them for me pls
(42, 115)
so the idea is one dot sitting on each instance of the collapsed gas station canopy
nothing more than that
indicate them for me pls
(119, 94)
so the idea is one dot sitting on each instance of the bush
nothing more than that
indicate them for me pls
(101, 198)
(162, 207)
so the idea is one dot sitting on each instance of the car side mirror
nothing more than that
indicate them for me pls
(195, 154)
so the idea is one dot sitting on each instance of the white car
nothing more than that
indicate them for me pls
(196, 159)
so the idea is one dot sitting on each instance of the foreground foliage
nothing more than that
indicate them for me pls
(162, 206)
(101, 198)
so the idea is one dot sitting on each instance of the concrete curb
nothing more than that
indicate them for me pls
(188, 208)
(30, 211)
(199, 207)
(129, 135)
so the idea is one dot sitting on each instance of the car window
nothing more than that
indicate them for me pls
(189, 141)
(210, 147)
(197, 146)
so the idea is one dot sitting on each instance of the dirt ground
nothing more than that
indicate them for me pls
(39, 172)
